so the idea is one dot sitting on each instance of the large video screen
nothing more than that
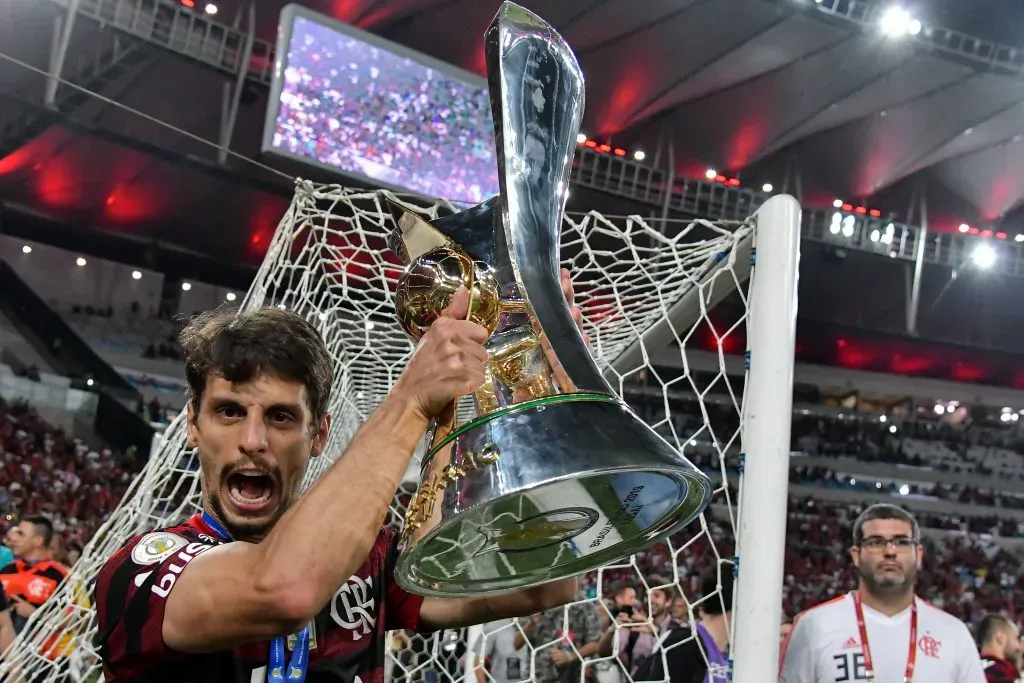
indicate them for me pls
(353, 103)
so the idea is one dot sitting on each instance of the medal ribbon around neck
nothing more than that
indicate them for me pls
(277, 664)
(908, 675)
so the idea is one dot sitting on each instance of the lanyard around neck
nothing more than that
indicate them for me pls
(908, 675)
(299, 662)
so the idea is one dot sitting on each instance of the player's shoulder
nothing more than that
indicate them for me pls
(826, 612)
(156, 546)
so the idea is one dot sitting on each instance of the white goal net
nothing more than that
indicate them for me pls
(656, 298)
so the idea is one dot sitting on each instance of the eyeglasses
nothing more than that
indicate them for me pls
(880, 542)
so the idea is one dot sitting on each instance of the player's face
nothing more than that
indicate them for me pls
(1013, 647)
(886, 563)
(254, 440)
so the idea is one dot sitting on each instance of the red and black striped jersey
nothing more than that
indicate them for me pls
(999, 670)
(347, 638)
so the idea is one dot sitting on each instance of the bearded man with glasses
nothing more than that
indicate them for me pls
(881, 632)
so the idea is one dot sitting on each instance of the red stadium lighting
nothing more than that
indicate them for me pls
(619, 152)
(605, 148)
(720, 178)
(861, 210)
(191, 4)
(735, 182)
(986, 233)
(1001, 235)
(973, 231)
(847, 207)
(875, 213)
(590, 143)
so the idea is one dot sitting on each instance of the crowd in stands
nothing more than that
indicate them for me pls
(45, 472)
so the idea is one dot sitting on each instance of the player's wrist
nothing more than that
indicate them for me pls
(404, 413)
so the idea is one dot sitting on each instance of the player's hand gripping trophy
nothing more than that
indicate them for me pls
(554, 475)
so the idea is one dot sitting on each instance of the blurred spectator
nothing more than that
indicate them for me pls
(32, 578)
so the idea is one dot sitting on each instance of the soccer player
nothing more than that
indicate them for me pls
(881, 632)
(999, 642)
(696, 657)
(265, 584)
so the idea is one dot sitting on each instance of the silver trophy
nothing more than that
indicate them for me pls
(555, 475)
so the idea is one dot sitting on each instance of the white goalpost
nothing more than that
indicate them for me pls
(685, 286)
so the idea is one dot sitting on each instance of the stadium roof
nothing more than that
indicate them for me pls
(763, 90)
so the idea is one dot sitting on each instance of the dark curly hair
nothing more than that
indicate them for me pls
(238, 346)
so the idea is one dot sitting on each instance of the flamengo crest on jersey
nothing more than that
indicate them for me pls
(352, 606)
(346, 637)
(156, 547)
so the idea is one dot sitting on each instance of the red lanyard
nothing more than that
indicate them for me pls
(911, 655)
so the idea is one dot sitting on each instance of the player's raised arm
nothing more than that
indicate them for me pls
(260, 413)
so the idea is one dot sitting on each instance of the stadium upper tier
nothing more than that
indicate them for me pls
(849, 106)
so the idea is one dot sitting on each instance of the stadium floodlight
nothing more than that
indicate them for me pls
(581, 138)
(983, 256)
(835, 225)
(28, 250)
(767, 187)
(964, 227)
(848, 226)
(837, 203)
(80, 262)
(904, 490)
(231, 296)
(185, 286)
(711, 174)
(136, 274)
(1019, 238)
(639, 155)
(896, 22)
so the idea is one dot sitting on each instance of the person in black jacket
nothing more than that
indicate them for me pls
(697, 654)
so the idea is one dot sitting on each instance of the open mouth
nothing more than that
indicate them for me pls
(250, 491)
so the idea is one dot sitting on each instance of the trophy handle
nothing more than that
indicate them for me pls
(537, 99)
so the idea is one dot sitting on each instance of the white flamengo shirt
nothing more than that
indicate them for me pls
(825, 646)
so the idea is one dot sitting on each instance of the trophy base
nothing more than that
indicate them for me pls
(589, 484)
